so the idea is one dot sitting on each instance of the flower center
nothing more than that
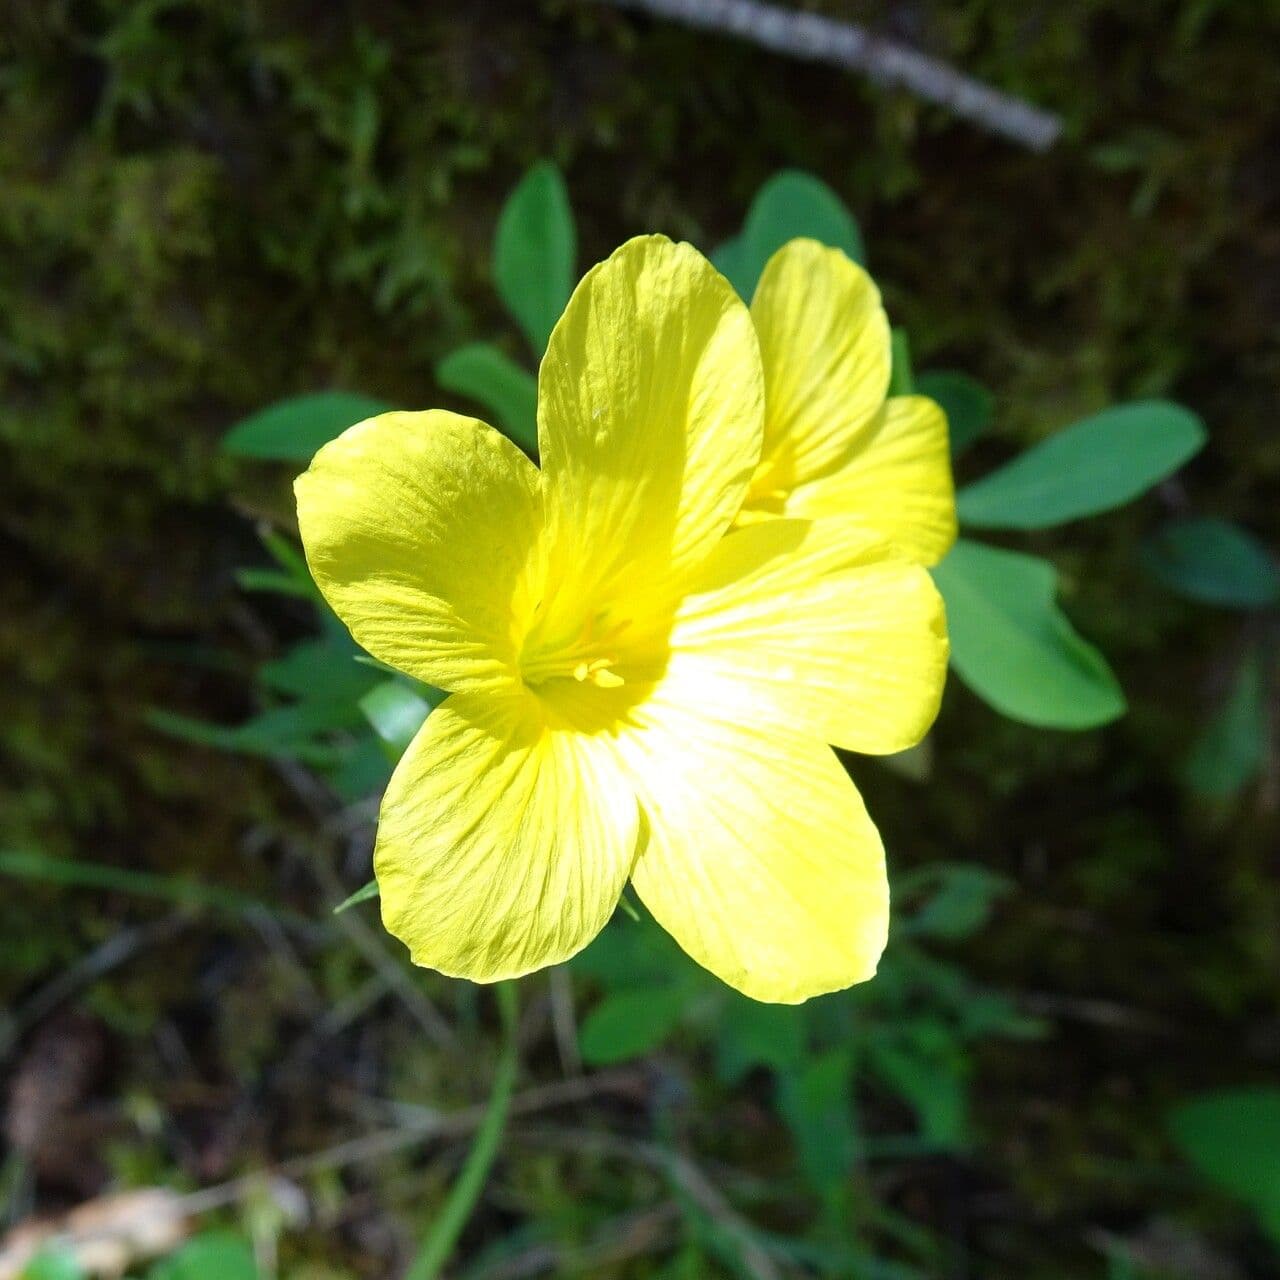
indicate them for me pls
(589, 656)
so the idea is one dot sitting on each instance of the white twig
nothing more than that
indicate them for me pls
(844, 44)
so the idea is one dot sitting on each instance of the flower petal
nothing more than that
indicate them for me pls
(821, 627)
(503, 845)
(422, 531)
(824, 341)
(650, 413)
(761, 860)
(898, 481)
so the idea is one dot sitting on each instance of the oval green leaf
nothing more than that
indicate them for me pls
(397, 710)
(630, 1023)
(790, 205)
(1214, 562)
(1014, 648)
(490, 377)
(1099, 463)
(534, 251)
(1233, 1138)
(292, 430)
(1230, 750)
(53, 1263)
(217, 1255)
(969, 406)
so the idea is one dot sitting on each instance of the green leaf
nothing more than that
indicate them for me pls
(292, 430)
(961, 903)
(816, 1103)
(790, 205)
(1095, 465)
(534, 252)
(217, 1255)
(319, 664)
(493, 379)
(969, 406)
(1233, 1138)
(901, 383)
(53, 1263)
(360, 770)
(1014, 648)
(630, 1023)
(361, 895)
(932, 1083)
(730, 260)
(32, 865)
(283, 731)
(1229, 752)
(278, 583)
(397, 710)
(625, 956)
(753, 1035)
(1214, 562)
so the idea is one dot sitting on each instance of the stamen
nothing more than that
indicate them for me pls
(598, 673)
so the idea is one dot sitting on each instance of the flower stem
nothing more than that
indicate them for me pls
(443, 1235)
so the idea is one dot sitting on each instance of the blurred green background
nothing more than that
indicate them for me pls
(206, 206)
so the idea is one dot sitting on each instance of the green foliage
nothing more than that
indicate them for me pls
(1012, 645)
(909, 1030)
(1229, 751)
(33, 866)
(1097, 464)
(969, 406)
(534, 252)
(631, 1023)
(292, 430)
(483, 373)
(791, 205)
(962, 899)
(1233, 1139)
(396, 710)
(53, 1264)
(1214, 562)
(216, 1255)
(814, 1100)
(901, 380)
(365, 893)
(534, 255)
(1009, 641)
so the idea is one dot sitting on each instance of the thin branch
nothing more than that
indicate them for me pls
(564, 1023)
(96, 964)
(416, 1127)
(631, 1235)
(844, 44)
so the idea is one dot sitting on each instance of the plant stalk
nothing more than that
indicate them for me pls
(438, 1244)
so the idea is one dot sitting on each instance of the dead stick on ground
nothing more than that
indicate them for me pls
(844, 44)
(413, 1131)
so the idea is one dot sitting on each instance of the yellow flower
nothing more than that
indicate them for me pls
(634, 694)
(833, 444)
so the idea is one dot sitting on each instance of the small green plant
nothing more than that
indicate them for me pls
(212, 1255)
(1233, 1139)
(1216, 562)
(909, 1035)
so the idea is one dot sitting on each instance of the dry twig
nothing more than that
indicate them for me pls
(844, 44)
